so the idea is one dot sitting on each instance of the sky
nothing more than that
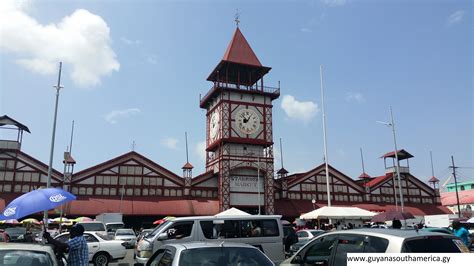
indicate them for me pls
(133, 72)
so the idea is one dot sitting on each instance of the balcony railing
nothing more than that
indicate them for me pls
(393, 169)
(9, 145)
(254, 88)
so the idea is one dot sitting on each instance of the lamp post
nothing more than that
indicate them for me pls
(397, 165)
(51, 153)
(314, 204)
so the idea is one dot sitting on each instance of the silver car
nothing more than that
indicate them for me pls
(126, 235)
(28, 254)
(331, 248)
(208, 253)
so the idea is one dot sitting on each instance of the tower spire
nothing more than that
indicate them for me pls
(237, 16)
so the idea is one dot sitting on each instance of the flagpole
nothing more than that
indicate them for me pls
(325, 138)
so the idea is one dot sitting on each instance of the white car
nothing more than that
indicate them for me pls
(307, 234)
(101, 250)
(28, 254)
(126, 235)
(208, 253)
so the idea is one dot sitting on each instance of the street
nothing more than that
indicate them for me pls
(128, 260)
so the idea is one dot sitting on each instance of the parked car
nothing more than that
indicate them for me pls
(22, 254)
(295, 247)
(101, 250)
(126, 235)
(98, 227)
(16, 233)
(331, 248)
(208, 253)
(307, 234)
(143, 233)
(264, 231)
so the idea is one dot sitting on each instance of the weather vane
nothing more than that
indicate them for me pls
(237, 16)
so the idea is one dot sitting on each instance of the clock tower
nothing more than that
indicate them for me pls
(239, 139)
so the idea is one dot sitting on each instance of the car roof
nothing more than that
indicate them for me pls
(399, 233)
(90, 222)
(26, 246)
(193, 245)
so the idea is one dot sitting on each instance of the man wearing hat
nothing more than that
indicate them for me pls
(76, 246)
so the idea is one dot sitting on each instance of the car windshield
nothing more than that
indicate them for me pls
(24, 258)
(93, 226)
(315, 232)
(223, 256)
(126, 232)
(157, 229)
(15, 230)
(432, 244)
(114, 227)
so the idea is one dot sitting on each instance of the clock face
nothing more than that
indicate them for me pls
(214, 125)
(248, 122)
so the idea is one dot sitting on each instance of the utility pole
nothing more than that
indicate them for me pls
(456, 185)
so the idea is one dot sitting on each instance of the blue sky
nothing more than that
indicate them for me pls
(133, 71)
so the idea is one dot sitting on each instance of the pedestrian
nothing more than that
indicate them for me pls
(76, 246)
(396, 224)
(461, 232)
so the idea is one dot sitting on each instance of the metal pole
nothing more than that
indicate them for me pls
(258, 183)
(50, 167)
(402, 204)
(325, 138)
(432, 168)
(456, 186)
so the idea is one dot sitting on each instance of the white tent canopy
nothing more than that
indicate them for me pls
(232, 211)
(471, 220)
(348, 213)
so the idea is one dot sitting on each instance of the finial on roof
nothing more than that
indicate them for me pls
(237, 16)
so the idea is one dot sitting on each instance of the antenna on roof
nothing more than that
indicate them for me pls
(133, 145)
(237, 16)
(432, 169)
(186, 137)
(281, 154)
(362, 160)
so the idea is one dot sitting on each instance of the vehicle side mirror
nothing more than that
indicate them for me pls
(163, 236)
(297, 260)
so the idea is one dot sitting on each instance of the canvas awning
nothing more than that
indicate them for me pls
(338, 213)
(232, 211)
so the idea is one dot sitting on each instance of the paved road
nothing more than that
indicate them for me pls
(127, 261)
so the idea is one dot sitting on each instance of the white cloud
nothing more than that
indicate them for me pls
(115, 115)
(81, 41)
(355, 97)
(170, 143)
(306, 30)
(455, 17)
(333, 2)
(130, 42)
(295, 109)
(200, 150)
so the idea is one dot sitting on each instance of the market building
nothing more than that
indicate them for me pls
(239, 168)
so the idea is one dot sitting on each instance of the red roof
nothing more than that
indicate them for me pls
(465, 197)
(239, 51)
(402, 154)
(378, 179)
(433, 180)
(188, 166)
(364, 176)
(153, 206)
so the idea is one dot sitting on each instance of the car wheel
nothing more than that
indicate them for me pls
(100, 259)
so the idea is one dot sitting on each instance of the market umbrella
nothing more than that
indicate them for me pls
(30, 221)
(392, 215)
(36, 201)
(57, 220)
(82, 219)
(11, 221)
(160, 221)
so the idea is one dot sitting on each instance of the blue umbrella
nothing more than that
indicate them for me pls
(36, 201)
